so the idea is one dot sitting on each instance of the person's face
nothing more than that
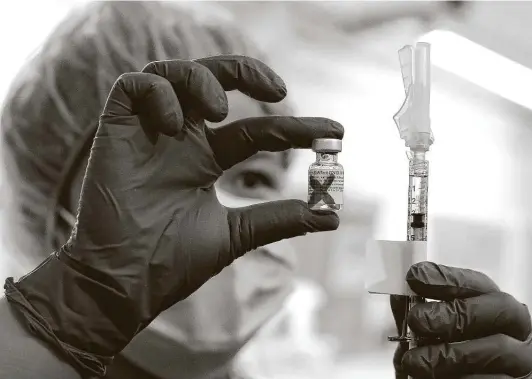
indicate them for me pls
(259, 177)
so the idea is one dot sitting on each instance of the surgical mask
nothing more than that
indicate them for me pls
(203, 333)
(232, 201)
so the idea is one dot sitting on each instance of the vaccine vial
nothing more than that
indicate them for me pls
(326, 176)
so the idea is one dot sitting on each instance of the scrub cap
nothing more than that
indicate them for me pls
(52, 110)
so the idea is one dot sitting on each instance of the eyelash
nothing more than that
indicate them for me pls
(264, 179)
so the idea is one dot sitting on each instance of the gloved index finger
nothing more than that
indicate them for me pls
(446, 283)
(247, 75)
(239, 140)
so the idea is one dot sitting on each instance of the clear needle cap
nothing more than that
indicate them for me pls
(413, 119)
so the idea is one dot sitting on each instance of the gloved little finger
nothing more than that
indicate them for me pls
(262, 224)
(475, 317)
(196, 87)
(439, 282)
(237, 141)
(247, 75)
(142, 97)
(493, 355)
(400, 351)
(399, 307)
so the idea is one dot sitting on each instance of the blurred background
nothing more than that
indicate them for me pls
(339, 60)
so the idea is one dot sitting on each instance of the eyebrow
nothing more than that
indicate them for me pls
(271, 157)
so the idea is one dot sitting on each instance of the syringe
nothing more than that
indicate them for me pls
(416, 226)
(413, 122)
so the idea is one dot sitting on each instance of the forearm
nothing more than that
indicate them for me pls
(23, 356)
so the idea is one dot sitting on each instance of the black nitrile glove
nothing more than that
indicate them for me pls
(150, 230)
(481, 332)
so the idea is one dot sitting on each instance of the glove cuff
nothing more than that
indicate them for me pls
(66, 309)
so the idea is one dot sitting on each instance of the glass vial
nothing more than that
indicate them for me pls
(326, 176)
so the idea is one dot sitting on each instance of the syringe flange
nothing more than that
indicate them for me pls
(418, 340)
(404, 339)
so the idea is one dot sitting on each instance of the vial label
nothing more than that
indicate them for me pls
(325, 188)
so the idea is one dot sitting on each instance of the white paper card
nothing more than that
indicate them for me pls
(388, 262)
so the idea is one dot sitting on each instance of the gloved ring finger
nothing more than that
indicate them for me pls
(493, 355)
(195, 86)
(475, 317)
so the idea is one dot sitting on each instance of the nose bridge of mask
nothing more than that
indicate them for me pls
(229, 200)
(68, 217)
(282, 249)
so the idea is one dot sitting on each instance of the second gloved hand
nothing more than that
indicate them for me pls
(481, 332)
(150, 229)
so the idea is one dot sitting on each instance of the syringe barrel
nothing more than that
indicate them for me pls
(418, 185)
(418, 176)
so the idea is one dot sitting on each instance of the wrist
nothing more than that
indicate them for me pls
(77, 315)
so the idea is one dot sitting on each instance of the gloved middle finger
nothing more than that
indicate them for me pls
(475, 317)
(247, 75)
(495, 355)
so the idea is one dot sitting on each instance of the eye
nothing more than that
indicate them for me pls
(261, 177)
(253, 180)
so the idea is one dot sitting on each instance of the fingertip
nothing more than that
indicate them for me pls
(280, 90)
(212, 98)
(420, 323)
(283, 91)
(276, 89)
(265, 223)
(267, 86)
(247, 75)
(219, 112)
(321, 127)
(337, 129)
(422, 277)
(441, 282)
(419, 269)
(195, 86)
(148, 96)
(217, 109)
(323, 221)
(172, 124)
(161, 107)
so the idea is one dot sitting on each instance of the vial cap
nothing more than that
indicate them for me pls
(330, 145)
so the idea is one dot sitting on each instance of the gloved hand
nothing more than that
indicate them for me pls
(150, 229)
(482, 333)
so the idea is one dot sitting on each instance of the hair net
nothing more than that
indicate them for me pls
(53, 107)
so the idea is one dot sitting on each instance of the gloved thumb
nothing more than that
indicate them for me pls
(262, 224)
